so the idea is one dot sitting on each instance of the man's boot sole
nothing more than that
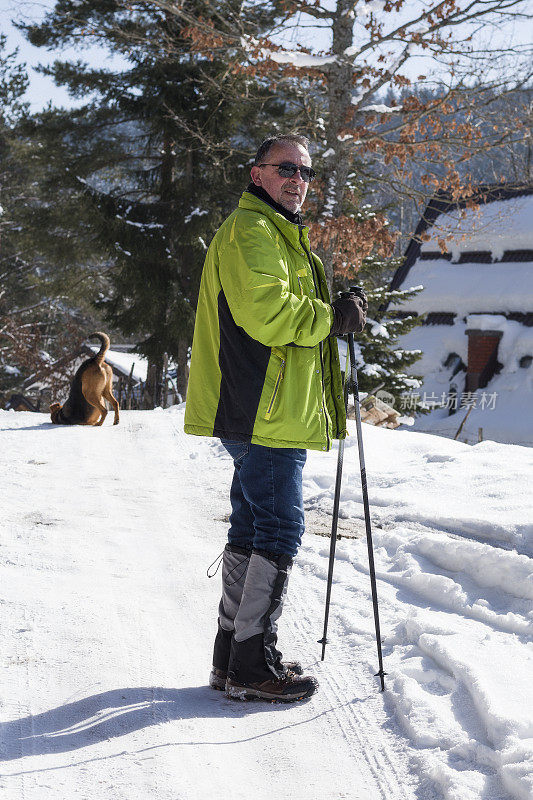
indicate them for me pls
(216, 681)
(235, 692)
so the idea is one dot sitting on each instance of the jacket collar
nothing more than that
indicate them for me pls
(290, 230)
(262, 194)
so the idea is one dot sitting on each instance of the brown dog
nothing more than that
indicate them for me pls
(92, 382)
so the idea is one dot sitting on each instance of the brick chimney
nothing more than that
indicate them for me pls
(482, 357)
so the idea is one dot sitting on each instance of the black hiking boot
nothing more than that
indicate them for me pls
(287, 689)
(217, 678)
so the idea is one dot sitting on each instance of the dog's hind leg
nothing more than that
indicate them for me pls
(108, 394)
(95, 399)
(93, 386)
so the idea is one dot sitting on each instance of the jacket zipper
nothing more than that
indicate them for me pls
(276, 387)
(321, 349)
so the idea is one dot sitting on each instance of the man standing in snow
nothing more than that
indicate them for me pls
(265, 379)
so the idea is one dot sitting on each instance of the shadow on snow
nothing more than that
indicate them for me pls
(118, 712)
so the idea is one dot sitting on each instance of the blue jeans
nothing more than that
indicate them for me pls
(266, 497)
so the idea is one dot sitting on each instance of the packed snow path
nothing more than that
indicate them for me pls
(108, 619)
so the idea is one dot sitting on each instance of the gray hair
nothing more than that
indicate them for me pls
(288, 138)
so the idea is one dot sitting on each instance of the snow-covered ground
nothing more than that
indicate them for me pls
(108, 618)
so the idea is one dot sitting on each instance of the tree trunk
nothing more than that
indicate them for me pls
(340, 85)
(153, 386)
(182, 377)
(164, 399)
(167, 169)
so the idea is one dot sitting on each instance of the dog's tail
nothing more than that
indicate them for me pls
(104, 338)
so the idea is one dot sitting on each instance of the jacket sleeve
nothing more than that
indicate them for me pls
(255, 280)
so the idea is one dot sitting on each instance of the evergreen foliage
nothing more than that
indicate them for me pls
(142, 155)
(382, 361)
(30, 308)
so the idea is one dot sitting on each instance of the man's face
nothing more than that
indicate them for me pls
(288, 192)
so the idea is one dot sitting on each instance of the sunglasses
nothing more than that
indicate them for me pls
(287, 170)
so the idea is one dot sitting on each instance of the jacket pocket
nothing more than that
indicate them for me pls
(279, 377)
(301, 273)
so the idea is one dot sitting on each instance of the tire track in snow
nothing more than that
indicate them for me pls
(360, 719)
(376, 753)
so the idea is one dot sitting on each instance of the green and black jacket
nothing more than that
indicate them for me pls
(263, 367)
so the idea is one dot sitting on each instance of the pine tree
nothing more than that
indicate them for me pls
(14, 287)
(13, 177)
(153, 155)
(28, 306)
(382, 360)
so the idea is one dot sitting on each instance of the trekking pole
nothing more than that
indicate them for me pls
(351, 347)
(335, 519)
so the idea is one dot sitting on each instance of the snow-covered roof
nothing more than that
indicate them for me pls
(470, 288)
(504, 413)
(497, 226)
(489, 259)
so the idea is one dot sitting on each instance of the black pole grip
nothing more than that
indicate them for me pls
(357, 290)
